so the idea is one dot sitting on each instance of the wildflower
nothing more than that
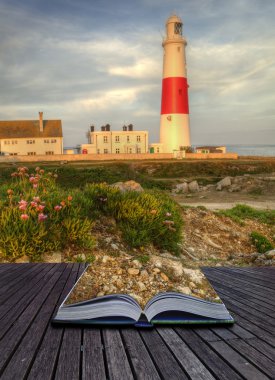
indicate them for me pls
(37, 169)
(168, 214)
(14, 174)
(153, 212)
(70, 198)
(57, 207)
(24, 216)
(33, 204)
(63, 203)
(55, 175)
(168, 222)
(22, 202)
(42, 217)
(10, 191)
(32, 179)
(40, 208)
(35, 185)
(41, 171)
(36, 199)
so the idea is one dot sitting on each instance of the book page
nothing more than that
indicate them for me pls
(107, 275)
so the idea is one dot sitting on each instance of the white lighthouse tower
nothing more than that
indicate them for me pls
(174, 122)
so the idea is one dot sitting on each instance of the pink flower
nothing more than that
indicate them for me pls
(70, 198)
(41, 171)
(57, 207)
(36, 199)
(40, 208)
(33, 204)
(42, 217)
(37, 169)
(24, 216)
(168, 214)
(32, 179)
(35, 185)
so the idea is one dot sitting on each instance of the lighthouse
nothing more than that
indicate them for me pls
(174, 121)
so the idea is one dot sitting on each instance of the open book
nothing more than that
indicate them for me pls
(123, 309)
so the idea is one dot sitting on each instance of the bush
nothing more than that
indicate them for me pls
(241, 212)
(260, 242)
(37, 217)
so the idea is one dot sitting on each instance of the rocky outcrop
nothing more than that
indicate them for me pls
(128, 186)
(225, 182)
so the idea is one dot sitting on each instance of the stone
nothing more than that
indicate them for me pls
(164, 277)
(119, 271)
(105, 259)
(193, 187)
(156, 270)
(225, 182)
(114, 246)
(181, 188)
(184, 289)
(100, 294)
(128, 186)
(136, 264)
(141, 286)
(23, 259)
(119, 284)
(270, 254)
(133, 271)
(144, 273)
(55, 257)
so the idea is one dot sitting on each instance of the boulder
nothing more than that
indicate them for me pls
(181, 188)
(225, 182)
(193, 187)
(23, 259)
(127, 186)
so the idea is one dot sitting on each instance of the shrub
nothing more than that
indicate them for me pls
(241, 212)
(260, 242)
(37, 217)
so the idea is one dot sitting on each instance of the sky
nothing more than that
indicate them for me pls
(93, 62)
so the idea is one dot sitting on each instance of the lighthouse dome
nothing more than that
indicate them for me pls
(173, 18)
(174, 27)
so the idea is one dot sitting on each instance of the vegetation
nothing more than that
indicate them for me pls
(261, 242)
(241, 212)
(38, 216)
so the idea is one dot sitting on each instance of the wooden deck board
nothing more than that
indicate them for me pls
(31, 348)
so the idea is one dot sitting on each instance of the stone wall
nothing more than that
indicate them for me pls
(209, 156)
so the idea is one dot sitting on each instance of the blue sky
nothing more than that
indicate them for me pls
(100, 61)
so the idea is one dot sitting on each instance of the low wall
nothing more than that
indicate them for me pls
(112, 157)
(209, 156)
(87, 157)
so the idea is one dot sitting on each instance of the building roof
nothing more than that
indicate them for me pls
(209, 147)
(29, 129)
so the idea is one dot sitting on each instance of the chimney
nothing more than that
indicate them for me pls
(41, 121)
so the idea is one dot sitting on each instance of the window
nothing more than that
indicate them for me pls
(128, 138)
(13, 154)
(105, 151)
(138, 150)
(116, 138)
(31, 153)
(157, 149)
(98, 151)
(130, 150)
(46, 141)
(178, 28)
(138, 138)
(117, 150)
(178, 48)
(30, 141)
(7, 142)
(105, 139)
(14, 142)
(53, 141)
(49, 153)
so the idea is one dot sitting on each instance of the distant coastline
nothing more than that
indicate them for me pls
(252, 150)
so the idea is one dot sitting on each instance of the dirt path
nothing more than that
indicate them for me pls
(227, 205)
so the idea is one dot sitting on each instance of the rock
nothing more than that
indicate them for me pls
(24, 259)
(136, 297)
(108, 239)
(226, 182)
(119, 284)
(105, 288)
(177, 269)
(55, 257)
(181, 188)
(136, 264)
(105, 259)
(195, 275)
(234, 188)
(156, 270)
(192, 285)
(100, 294)
(158, 264)
(193, 187)
(184, 289)
(119, 271)
(141, 286)
(133, 271)
(164, 277)
(144, 273)
(127, 186)
(114, 246)
(270, 254)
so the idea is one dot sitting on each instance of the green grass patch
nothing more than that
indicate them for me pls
(241, 212)
(261, 242)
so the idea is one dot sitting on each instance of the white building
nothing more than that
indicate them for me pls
(107, 141)
(31, 137)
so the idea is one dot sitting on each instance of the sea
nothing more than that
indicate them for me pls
(252, 150)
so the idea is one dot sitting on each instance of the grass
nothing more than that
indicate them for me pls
(241, 212)
(261, 242)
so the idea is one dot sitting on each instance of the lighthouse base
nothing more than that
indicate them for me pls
(174, 132)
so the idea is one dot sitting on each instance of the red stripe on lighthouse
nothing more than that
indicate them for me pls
(174, 96)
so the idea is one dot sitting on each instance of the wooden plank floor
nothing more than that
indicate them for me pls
(30, 348)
